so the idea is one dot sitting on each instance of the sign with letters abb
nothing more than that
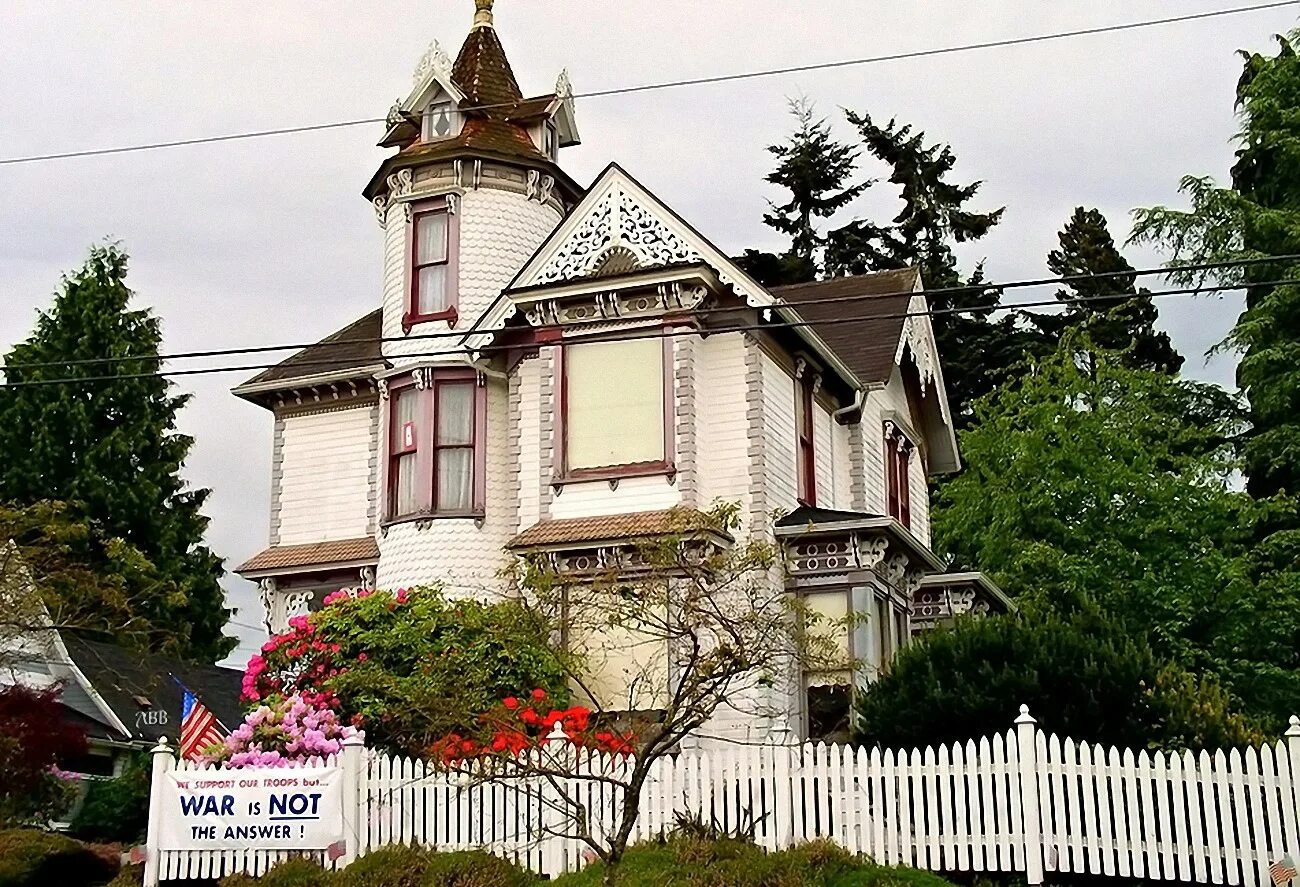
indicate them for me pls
(255, 809)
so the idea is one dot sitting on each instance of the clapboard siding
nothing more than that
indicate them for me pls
(323, 483)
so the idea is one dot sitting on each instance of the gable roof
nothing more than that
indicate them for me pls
(120, 675)
(356, 347)
(869, 345)
(289, 558)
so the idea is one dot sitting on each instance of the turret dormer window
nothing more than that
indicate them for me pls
(431, 267)
(550, 140)
(440, 122)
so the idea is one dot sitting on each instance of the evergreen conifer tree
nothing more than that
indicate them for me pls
(1122, 325)
(110, 447)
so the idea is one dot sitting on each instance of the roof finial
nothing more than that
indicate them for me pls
(482, 13)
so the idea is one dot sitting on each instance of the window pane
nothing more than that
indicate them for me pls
(431, 238)
(614, 407)
(455, 414)
(406, 498)
(828, 628)
(455, 480)
(880, 616)
(828, 712)
(432, 289)
(404, 405)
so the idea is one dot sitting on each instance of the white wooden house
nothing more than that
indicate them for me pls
(553, 367)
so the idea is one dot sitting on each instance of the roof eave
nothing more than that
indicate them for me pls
(251, 390)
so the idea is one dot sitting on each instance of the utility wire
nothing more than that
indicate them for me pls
(647, 333)
(674, 84)
(837, 300)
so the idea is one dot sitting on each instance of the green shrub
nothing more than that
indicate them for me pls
(129, 876)
(30, 858)
(115, 810)
(1080, 675)
(418, 867)
(290, 873)
(729, 862)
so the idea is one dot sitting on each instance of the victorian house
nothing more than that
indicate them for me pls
(552, 368)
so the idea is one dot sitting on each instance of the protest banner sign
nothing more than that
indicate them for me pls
(262, 809)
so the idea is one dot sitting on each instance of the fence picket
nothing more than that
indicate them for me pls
(960, 813)
(1178, 834)
(1239, 868)
(1287, 789)
(971, 808)
(1254, 801)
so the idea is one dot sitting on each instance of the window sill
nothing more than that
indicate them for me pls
(430, 516)
(615, 473)
(409, 320)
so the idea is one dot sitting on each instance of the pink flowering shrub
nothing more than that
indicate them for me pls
(408, 667)
(289, 731)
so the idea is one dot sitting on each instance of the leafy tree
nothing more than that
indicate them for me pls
(978, 349)
(1123, 325)
(1257, 217)
(1087, 479)
(111, 447)
(409, 667)
(59, 571)
(116, 810)
(1080, 675)
(815, 169)
(34, 737)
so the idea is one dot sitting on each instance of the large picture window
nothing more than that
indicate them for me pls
(436, 446)
(613, 406)
(431, 265)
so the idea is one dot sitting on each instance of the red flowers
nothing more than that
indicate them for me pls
(516, 726)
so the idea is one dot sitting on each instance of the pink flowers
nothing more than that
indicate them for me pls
(281, 735)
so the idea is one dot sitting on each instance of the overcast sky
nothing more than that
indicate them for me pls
(269, 240)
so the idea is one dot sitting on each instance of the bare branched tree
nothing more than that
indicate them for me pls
(667, 638)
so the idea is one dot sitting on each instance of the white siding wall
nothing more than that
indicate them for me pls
(722, 441)
(455, 552)
(842, 465)
(324, 483)
(499, 231)
(825, 456)
(892, 400)
(528, 473)
(778, 410)
(595, 498)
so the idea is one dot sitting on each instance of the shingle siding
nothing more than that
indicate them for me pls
(323, 488)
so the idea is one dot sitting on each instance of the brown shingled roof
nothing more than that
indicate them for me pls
(355, 346)
(528, 109)
(317, 554)
(611, 527)
(482, 70)
(867, 347)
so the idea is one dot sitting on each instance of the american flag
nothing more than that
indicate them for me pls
(199, 728)
(1283, 870)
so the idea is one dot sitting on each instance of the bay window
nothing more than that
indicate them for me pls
(898, 457)
(436, 445)
(431, 264)
(614, 407)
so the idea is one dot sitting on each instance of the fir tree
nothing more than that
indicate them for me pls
(1123, 325)
(111, 447)
(1257, 217)
(816, 171)
(978, 350)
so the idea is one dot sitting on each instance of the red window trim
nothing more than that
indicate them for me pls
(667, 465)
(805, 438)
(898, 493)
(426, 447)
(411, 317)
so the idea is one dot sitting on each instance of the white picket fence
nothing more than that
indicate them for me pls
(1021, 801)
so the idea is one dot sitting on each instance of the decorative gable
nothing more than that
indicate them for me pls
(619, 223)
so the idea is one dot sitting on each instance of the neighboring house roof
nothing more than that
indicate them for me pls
(317, 554)
(609, 528)
(355, 347)
(868, 345)
(132, 683)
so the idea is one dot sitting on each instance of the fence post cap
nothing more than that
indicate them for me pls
(162, 747)
(1294, 729)
(353, 740)
(1025, 716)
(557, 731)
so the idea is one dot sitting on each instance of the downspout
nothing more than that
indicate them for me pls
(859, 398)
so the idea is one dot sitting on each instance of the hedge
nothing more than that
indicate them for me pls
(30, 858)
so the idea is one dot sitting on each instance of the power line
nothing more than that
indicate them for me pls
(838, 300)
(675, 84)
(654, 333)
